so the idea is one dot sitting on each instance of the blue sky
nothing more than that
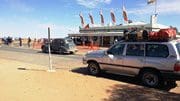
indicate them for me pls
(24, 18)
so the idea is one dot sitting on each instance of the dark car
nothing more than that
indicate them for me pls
(60, 45)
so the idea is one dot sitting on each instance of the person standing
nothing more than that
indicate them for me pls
(20, 41)
(29, 42)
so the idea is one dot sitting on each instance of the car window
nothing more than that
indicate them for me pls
(61, 42)
(157, 50)
(69, 40)
(135, 50)
(54, 41)
(117, 49)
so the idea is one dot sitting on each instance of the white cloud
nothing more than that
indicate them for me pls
(92, 3)
(163, 7)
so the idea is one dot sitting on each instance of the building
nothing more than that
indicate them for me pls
(106, 35)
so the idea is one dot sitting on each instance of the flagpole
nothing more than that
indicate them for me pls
(155, 7)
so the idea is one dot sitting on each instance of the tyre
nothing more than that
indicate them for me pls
(71, 52)
(151, 78)
(93, 68)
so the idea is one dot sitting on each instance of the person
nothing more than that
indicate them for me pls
(29, 42)
(20, 41)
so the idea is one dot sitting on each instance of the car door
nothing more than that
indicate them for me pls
(54, 45)
(134, 59)
(157, 57)
(113, 60)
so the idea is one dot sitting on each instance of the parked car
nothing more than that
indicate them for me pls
(153, 62)
(60, 45)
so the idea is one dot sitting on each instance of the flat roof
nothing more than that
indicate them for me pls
(97, 34)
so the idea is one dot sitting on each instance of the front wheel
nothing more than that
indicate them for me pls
(93, 68)
(151, 79)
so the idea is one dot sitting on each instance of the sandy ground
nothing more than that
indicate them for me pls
(28, 82)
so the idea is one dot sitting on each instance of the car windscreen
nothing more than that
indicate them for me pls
(178, 47)
(70, 42)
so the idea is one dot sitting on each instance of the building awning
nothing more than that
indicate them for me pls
(96, 34)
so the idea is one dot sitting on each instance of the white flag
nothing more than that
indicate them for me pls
(125, 16)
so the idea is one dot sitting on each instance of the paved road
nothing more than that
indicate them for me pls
(32, 51)
(36, 57)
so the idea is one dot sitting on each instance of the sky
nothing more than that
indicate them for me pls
(31, 18)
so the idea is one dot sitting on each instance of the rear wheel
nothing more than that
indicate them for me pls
(93, 68)
(151, 78)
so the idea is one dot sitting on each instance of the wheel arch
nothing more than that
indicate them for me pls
(92, 61)
(148, 69)
(154, 70)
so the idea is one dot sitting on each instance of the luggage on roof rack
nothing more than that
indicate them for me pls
(143, 35)
(136, 35)
(163, 35)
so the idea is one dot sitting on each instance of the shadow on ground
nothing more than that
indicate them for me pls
(138, 93)
(126, 79)
(26, 69)
(56, 53)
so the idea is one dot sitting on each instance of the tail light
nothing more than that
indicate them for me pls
(177, 67)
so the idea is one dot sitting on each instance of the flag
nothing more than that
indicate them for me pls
(125, 14)
(113, 17)
(151, 1)
(102, 17)
(82, 19)
(87, 26)
(91, 18)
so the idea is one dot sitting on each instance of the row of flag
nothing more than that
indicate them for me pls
(102, 17)
(113, 18)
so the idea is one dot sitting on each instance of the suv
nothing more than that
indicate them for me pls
(60, 45)
(153, 62)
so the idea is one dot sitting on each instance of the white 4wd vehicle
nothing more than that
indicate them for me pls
(153, 62)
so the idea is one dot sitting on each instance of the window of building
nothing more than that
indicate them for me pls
(135, 50)
(157, 50)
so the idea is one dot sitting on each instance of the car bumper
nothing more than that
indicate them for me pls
(171, 75)
(72, 50)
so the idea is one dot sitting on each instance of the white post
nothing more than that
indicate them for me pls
(50, 60)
